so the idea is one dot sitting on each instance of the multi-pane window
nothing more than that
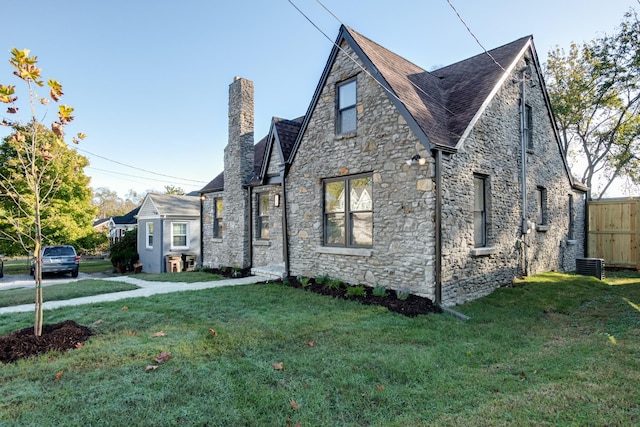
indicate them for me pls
(179, 235)
(218, 224)
(262, 223)
(480, 211)
(348, 211)
(528, 127)
(347, 116)
(541, 206)
(149, 238)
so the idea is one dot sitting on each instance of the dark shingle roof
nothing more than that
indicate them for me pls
(442, 102)
(128, 218)
(287, 133)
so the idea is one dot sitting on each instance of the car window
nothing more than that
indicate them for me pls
(61, 251)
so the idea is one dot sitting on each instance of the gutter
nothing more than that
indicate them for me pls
(283, 202)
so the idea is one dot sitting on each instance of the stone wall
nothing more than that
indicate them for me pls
(238, 167)
(402, 255)
(213, 249)
(268, 251)
(493, 150)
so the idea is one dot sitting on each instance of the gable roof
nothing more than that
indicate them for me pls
(439, 106)
(127, 219)
(169, 205)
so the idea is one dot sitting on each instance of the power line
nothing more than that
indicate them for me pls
(139, 169)
(474, 36)
(136, 176)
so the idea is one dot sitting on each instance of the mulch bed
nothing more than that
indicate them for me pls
(412, 306)
(59, 336)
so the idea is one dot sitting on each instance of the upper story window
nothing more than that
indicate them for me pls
(348, 211)
(262, 222)
(527, 121)
(218, 224)
(480, 211)
(541, 206)
(347, 117)
(149, 237)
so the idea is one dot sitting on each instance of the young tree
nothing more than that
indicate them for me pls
(595, 94)
(172, 189)
(33, 178)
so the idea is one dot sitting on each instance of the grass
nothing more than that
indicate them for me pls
(185, 276)
(81, 288)
(554, 350)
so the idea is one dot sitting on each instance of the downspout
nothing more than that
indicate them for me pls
(438, 230)
(202, 199)
(163, 266)
(285, 234)
(249, 227)
(523, 158)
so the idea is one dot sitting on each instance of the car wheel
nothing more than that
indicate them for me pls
(74, 273)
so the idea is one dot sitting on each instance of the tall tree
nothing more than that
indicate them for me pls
(595, 94)
(33, 184)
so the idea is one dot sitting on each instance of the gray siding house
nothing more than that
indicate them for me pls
(447, 183)
(167, 225)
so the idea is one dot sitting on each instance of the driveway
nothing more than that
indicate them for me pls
(145, 289)
(24, 280)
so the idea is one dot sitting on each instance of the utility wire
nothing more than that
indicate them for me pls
(136, 176)
(139, 169)
(474, 36)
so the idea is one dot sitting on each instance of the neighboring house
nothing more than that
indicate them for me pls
(101, 225)
(168, 225)
(118, 225)
(447, 183)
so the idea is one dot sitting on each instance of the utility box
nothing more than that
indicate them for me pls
(590, 267)
(173, 263)
(189, 262)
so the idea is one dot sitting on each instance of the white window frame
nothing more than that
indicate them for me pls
(480, 211)
(149, 234)
(186, 235)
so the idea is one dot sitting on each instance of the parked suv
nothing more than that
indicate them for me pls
(58, 259)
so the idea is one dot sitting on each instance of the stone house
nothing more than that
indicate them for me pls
(168, 226)
(447, 183)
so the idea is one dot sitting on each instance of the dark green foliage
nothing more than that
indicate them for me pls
(125, 252)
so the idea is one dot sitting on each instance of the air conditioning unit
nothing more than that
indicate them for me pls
(590, 267)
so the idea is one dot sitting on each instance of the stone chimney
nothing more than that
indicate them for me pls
(238, 169)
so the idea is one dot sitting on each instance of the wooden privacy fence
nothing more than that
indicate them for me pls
(614, 231)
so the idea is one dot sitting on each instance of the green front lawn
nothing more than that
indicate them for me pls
(63, 291)
(554, 350)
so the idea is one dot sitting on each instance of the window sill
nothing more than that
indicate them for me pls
(346, 135)
(572, 242)
(180, 248)
(344, 251)
(531, 151)
(262, 242)
(216, 240)
(482, 251)
(542, 228)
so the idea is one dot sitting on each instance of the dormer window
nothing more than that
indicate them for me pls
(346, 94)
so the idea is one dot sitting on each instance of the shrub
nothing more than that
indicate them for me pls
(334, 284)
(402, 294)
(125, 252)
(305, 281)
(323, 280)
(356, 291)
(379, 291)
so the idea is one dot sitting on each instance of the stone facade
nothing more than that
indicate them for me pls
(238, 161)
(402, 254)
(404, 194)
(493, 150)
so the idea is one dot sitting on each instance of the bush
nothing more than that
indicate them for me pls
(125, 252)
(356, 291)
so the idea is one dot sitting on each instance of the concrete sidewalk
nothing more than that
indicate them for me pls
(146, 289)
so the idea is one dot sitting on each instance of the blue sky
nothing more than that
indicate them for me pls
(149, 79)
